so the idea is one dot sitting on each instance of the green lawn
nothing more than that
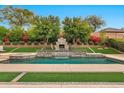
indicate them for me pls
(7, 76)
(22, 49)
(73, 77)
(8, 49)
(105, 51)
(81, 49)
(78, 49)
(27, 49)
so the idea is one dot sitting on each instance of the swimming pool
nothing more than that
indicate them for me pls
(83, 60)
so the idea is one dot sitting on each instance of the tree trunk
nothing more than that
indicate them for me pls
(74, 41)
(45, 41)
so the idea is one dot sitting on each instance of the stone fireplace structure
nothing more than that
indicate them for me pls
(61, 44)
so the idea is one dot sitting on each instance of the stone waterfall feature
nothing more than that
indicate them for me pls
(61, 50)
(61, 54)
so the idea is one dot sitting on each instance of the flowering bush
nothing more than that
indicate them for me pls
(6, 39)
(25, 37)
(95, 39)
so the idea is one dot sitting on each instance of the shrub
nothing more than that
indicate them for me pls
(15, 43)
(7, 43)
(36, 43)
(29, 42)
(1, 42)
(21, 42)
(112, 43)
(6, 39)
(95, 39)
(120, 46)
(116, 44)
(25, 37)
(91, 43)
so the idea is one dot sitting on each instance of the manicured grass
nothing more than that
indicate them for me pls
(73, 77)
(7, 76)
(81, 49)
(22, 49)
(105, 51)
(8, 49)
(27, 49)
(77, 49)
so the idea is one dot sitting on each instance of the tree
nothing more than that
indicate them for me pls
(54, 28)
(32, 34)
(47, 28)
(3, 32)
(16, 16)
(76, 29)
(67, 27)
(84, 31)
(103, 36)
(95, 22)
(16, 34)
(25, 37)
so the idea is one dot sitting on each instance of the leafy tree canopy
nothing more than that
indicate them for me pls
(3, 32)
(95, 22)
(16, 16)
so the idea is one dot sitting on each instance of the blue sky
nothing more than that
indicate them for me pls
(113, 15)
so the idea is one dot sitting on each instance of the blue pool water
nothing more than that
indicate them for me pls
(83, 60)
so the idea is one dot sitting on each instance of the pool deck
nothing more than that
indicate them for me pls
(115, 56)
(61, 68)
(62, 85)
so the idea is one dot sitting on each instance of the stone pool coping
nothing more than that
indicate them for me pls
(6, 56)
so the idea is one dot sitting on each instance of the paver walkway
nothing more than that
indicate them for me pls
(61, 68)
(115, 56)
(92, 50)
(62, 85)
(3, 57)
(18, 77)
